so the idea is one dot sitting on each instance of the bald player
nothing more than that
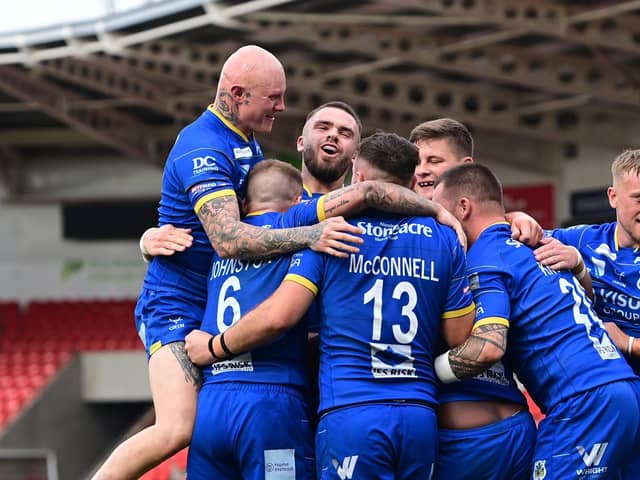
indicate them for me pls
(203, 181)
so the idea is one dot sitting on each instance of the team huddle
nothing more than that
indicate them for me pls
(298, 328)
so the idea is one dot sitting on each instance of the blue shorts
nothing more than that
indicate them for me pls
(593, 435)
(500, 451)
(166, 316)
(251, 431)
(376, 441)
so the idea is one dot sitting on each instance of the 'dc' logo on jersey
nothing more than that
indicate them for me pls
(203, 164)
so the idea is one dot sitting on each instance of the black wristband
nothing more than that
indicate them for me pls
(210, 345)
(224, 346)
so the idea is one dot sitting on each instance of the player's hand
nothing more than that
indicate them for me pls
(165, 240)
(445, 217)
(335, 236)
(197, 348)
(524, 228)
(556, 255)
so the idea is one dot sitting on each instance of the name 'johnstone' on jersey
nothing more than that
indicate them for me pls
(226, 266)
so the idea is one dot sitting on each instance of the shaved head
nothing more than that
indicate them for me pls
(251, 89)
(249, 65)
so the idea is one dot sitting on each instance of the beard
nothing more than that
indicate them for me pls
(325, 172)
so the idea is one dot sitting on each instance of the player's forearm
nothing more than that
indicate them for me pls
(232, 238)
(627, 344)
(240, 240)
(384, 196)
(393, 198)
(255, 329)
(265, 323)
(582, 274)
(484, 347)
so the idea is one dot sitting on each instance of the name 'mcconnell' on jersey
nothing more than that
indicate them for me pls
(381, 309)
(615, 273)
(211, 157)
(556, 344)
(237, 286)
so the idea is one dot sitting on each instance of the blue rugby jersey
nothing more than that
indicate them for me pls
(615, 273)
(493, 385)
(309, 195)
(237, 286)
(381, 309)
(210, 158)
(556, 345)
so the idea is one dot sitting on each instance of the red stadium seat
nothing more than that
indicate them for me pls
(36, 342)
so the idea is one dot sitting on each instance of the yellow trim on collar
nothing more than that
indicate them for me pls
(230, 125)
(307, 190)
(258, 212)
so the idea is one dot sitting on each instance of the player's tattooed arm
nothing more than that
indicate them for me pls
(484, 347)
(232, 238)
(387, 197)
(191, 372)
(383, 196)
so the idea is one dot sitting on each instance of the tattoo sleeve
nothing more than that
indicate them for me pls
(233, 238)
(191, 372)
(484, 347)
(384, 196)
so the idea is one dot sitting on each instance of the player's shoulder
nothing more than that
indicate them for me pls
(585, 234)
(494, 247)
(204, 134)
(593, 229)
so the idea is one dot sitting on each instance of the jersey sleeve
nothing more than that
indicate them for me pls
(205, 173)
(490, 293)
(305, 213)
(459, 298)
(306, 268)
(569, 236)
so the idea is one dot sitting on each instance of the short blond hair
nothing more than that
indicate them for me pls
(628, 162)
(452, 130)
(273, 180)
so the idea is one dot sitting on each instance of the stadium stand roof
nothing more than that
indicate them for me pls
(557, 71)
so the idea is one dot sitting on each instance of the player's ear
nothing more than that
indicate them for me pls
(357, 176)
(237, 93)
(613, 197)
(300, 144)
(464, 207)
